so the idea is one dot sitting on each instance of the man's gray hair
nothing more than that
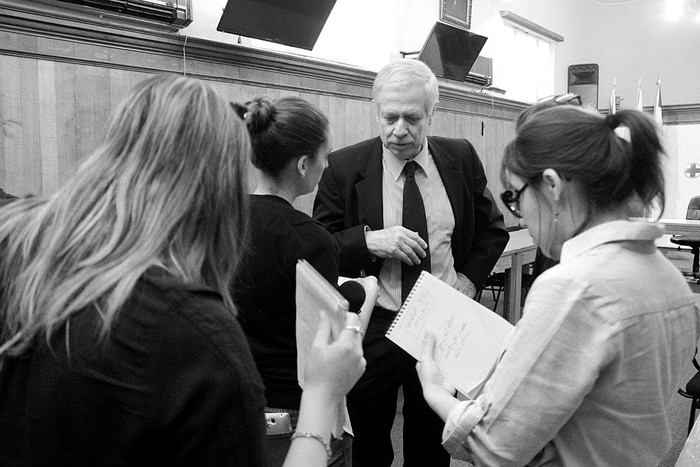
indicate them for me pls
(408, 71)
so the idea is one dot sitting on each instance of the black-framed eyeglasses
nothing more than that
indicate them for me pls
(511, 199)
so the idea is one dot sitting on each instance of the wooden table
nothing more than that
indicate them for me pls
(676, 226)
(520, 251)
(681, 226)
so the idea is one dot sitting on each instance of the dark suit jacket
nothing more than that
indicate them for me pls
(350, 197)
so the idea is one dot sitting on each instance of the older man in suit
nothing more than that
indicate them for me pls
(396, 205)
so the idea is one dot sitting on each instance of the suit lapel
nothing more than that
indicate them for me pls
(369, 187)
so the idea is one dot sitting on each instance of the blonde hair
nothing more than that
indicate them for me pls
(166, 188)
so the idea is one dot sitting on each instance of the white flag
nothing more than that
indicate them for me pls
(657, 105)
(640, 106)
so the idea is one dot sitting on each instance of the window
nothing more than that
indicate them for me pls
(526, 69)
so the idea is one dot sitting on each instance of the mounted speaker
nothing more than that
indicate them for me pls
(583, 80)
(296, 23)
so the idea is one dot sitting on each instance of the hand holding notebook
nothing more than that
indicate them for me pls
(314, 294)
(469, 338)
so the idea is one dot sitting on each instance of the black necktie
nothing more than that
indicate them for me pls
(413, 218)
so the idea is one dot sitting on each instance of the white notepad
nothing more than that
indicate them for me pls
(469, 337)
(313, 295)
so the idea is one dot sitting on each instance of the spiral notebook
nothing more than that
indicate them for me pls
(313, 295)
(470, 338)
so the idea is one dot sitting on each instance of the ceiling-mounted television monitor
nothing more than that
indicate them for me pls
(451, 52)
(296, 23)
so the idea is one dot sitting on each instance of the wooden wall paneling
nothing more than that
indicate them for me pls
(204, 68)
(11, 124)
(339, 120)
(325, 104)
(94, 66)
(241, 93)
(455, 123)
(91, 88)
(440, 124)
(66, 127)
(121, 82)
(312, 98)
(29, 178)
(48, 127)
(371, 127)
(354, 118)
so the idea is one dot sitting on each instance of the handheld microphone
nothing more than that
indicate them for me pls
(354, 293)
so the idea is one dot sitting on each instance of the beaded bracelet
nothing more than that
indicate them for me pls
(319, 438)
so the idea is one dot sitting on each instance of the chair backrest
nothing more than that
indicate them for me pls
(693, 208)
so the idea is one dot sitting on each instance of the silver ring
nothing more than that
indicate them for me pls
(355, 329)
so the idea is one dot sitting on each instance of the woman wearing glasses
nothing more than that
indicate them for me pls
(588, 373)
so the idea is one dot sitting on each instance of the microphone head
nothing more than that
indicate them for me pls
(354, 293)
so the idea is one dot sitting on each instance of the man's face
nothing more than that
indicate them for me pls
(404, 117)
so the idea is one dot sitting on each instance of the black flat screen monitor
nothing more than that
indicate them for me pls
(296, 23)
(451, 52)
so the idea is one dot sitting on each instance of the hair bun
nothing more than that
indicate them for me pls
(612, 121)
(261, 114)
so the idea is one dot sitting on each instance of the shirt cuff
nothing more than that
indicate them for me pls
(367, 229)
(460, 423)
(466, 286)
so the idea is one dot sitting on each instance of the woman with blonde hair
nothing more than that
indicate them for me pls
(119, 342)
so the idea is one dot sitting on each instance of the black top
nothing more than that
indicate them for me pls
(265, 290)
(173, 384)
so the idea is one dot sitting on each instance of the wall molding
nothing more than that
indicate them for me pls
(686, 114)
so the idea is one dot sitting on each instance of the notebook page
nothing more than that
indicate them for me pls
(469, 337)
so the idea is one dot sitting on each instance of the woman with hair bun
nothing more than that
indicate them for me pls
(119, 343)
(606, 335)
(291, 140)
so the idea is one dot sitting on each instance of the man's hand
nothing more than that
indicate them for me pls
(396, 242)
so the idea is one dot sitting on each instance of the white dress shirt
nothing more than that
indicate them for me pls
(438, 214)
(586, 379)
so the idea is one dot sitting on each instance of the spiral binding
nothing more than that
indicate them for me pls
(406, 303)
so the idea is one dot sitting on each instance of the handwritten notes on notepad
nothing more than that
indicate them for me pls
(469, 337)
